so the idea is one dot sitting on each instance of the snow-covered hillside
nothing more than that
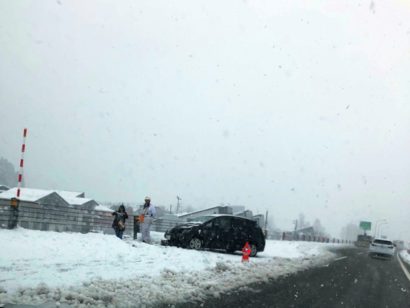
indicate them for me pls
(98, 269)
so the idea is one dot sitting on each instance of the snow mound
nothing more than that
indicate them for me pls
(405, 256)
(39, 267)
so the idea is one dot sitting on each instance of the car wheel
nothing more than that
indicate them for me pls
(254, 250)
(195, 243)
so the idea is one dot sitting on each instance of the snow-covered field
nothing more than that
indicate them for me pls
(101, 270)
(405, 256)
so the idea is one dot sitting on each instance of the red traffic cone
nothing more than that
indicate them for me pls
(246, 252)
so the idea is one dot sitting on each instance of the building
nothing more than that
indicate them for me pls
(237, 208)
(309, 231)
(3, 188)
(205, 212)
(78, 199)
(245, 213)
(260, 220)
(50, 197)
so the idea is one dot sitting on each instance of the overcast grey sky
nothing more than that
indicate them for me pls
(278, 105)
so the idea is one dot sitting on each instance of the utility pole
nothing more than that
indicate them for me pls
(266, 220)
(178, 204)
(296, 227)
(377, 224)
(266, 224)
(15, 201)
(379, 233)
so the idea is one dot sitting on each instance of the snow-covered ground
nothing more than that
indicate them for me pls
(101, 270)
(405, 256)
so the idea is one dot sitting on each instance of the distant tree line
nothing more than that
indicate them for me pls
(8, 175)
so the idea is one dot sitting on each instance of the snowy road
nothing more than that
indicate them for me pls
(101, 270)
(351, 280)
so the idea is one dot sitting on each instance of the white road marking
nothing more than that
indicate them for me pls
(341, 258)
(403, 268)
(359, 253)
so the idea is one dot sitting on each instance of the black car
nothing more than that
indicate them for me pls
(226, 232)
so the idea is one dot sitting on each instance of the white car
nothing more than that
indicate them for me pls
(381, 248)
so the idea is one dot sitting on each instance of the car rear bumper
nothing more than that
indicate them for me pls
(381, 252)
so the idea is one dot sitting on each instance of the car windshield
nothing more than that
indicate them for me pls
(205, 153)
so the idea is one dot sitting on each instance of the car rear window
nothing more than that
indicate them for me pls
(383, 242)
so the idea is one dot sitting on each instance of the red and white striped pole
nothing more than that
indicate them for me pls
(23, 150)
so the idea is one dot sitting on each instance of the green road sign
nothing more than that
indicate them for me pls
(365, 225)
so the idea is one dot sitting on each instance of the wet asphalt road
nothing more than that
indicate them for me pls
(352, 280)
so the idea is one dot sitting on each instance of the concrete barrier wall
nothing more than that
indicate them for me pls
(288, 236)
(162, 225)
(49, 217)
(5, 212)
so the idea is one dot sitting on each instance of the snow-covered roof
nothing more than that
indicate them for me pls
(68, 194)
(73, 197)
(76, 201)
(26, 194)
(34, 194)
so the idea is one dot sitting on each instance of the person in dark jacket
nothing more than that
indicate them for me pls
(119, 221)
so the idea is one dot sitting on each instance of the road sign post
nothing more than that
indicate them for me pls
(365, 226)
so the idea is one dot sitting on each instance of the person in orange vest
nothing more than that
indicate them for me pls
(246, 252)
(146, 219)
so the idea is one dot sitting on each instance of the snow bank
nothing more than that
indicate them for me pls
(103, 208)
(405, 256)
(101, 270)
